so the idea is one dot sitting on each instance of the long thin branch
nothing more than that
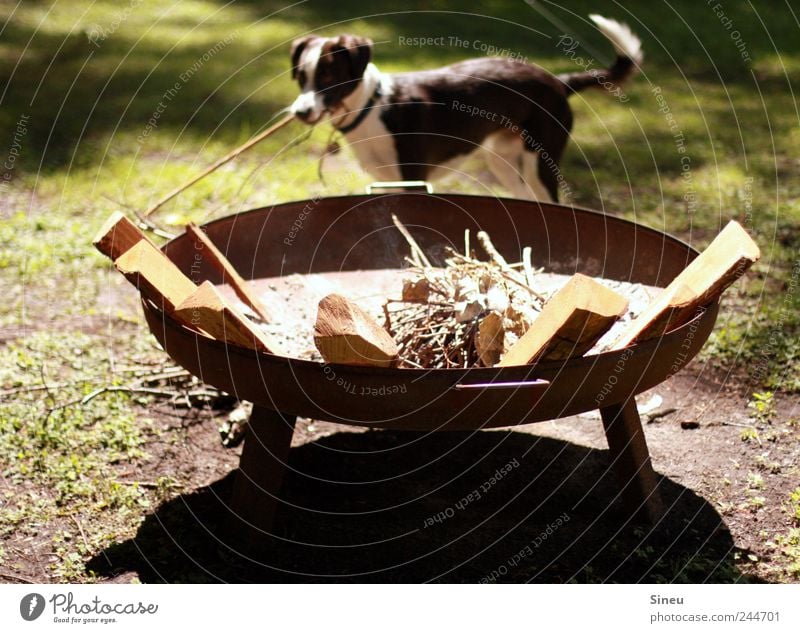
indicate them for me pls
(507, 271)
(219, 163)
(80, 529)
(230, 274)
(167, 375)
(30, 388)
(657, 415)
(107, 389)
(113, 388)
(143, 484)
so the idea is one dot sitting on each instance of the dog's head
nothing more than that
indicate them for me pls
(327, 69)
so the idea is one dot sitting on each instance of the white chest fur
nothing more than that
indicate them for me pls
(373, 145)
(371, 141)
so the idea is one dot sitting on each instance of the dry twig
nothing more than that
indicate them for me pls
(416, 252)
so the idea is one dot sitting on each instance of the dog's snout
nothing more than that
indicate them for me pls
(304, 107)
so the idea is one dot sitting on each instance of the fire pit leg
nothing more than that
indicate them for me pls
(630, 460)
(260, 474)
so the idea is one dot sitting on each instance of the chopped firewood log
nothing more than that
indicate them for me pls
(570, 323)
(221, 263)
(150, 270)
(674, 306)
(344, 333)
(141, 261)
(725, 260)
(117, 235)
(206, 309)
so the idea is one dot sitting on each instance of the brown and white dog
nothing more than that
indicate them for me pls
(408, 126)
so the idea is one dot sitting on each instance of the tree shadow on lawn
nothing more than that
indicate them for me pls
(76, 91)
(680, 37)
(75, 95)
(402, 512)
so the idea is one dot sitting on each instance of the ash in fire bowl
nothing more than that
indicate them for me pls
(293, 300)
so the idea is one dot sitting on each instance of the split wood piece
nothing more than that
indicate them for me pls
(147, 268)
(230, 275)
(117, 235)
(208, 310)
(570, 323)
(158, 278)
(725, 260)
(346, 334)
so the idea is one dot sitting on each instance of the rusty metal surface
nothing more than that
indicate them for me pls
(356, 233)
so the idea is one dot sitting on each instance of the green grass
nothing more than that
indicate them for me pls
(60, 460)
(79, 104)
(788, 545)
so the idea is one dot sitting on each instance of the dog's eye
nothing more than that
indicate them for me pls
(301, 77)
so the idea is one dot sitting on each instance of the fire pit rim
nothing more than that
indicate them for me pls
(693, 252)
(479, 373)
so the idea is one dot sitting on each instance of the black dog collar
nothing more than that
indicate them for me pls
(362, 114)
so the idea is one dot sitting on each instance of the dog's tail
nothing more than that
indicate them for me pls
(629, 58)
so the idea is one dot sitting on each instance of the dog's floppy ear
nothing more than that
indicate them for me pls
(359, 52)
(298, 46)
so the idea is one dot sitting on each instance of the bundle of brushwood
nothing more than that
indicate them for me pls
(480, 313)
(468, 313)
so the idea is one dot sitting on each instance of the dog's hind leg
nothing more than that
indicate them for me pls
(505, 157)
(543, 154)
(532, 171)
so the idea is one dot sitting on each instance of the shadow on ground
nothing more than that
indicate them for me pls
(552, 518)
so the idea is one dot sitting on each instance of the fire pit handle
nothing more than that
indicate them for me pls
(403, 185)
(505, 385)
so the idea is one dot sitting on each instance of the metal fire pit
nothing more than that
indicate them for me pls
(339, 235)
